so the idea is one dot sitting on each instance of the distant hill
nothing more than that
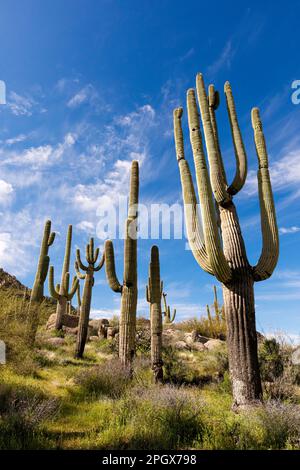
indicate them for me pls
(9, 281)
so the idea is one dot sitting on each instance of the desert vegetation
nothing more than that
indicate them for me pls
(211, 382)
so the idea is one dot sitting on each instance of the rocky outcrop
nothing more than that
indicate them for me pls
(8, 281)
(69, 321)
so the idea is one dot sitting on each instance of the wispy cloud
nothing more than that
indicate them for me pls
(286, 230)
(223, 61)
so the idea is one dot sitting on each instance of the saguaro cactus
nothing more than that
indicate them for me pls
(226, 258)
(37, 292)
(62, 295)
(90, 269)
(128, 290)
(153, 296)
(168, 318)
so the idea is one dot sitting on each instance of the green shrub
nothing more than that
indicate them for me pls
(110, 378)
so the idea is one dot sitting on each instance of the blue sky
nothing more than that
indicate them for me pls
(92, 85)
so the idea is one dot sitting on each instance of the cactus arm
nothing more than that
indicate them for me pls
(110, 267)
(218, 262)
(52, 290)
(79, 274)
(44, 269)
(134, 186)
(73, 290)
(161, 287)
(79, 262)
(87, 254)
(173, 316)
(78, 295)
(193, 224)
(66, 264)
(101, 262)
(147, 294)
(96, 254)
(213, 103)
(270, 249)
(239, 149)
(65, 284)
(51, 238)
(216, 173)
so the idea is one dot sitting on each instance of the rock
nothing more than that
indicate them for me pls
(95, 324)
(197, 346)
(70, 321)
(70, 331)
(94, 338)
(181, 346)
(295, 358)
(213, 344)
(55, 341)
(111, 332)
(9, 281)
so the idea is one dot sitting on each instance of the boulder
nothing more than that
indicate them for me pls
(197, 346)
(55, 341)
(111, 332)
(182, 346)
(295, 358)
(70, 331)
(213, 344)
(96, 324)
(70, 321)
(93, 338)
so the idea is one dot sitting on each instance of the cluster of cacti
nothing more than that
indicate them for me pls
(168, 318)
(61, 292)
(215, 239)
(37, 292)
(88, 276)
(128, 289)
(216, 322)
(225, 257)
(153, 296)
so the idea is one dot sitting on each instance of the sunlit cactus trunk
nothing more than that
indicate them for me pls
(153, 296)
(61, 307)
(37, 292)
(128, 290)
(85, 308)
(225, 257)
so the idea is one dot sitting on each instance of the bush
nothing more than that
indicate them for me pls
(214, 328)
(271, 360)
(110, 378)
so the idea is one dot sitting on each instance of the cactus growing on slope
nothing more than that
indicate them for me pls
(128, 290)
(61, 292)
(168, 318)
(153, 296)
(90, 269)
(226, 258)
(37, 292)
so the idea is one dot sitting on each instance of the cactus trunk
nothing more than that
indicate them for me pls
(153, 296)
(128, 289)
(83, 325)
(240, 314)
(37, 292)
(61, 307)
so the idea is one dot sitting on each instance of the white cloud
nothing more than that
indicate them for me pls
(285, 230)
(86, 94)
(15, 140)
(86, 226)
(224, 60)
(6, 190)
(20, 105)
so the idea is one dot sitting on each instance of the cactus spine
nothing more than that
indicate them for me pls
(61, 293)
(37, 292)
(226, 257)
(153, 296)
(129, 288)
(167, 311)
(90, 269)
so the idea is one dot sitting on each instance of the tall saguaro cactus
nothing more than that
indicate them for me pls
(225, 257)
(61, 293)
(153, 296)
(128, 289)
(90, 269)
(168, 318)
(37, 292)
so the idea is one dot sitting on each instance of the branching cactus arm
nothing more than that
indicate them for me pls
(270, 250)
(239, 149)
